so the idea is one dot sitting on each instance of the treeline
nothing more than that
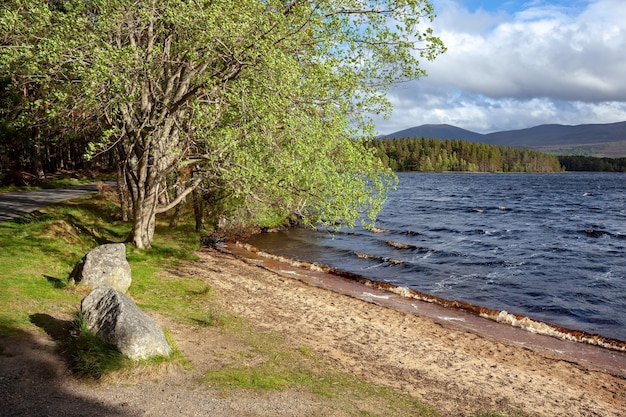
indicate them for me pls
(25, 161)
(432, 155)
(33, 145)
(589, 163)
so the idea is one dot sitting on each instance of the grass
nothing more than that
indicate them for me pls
(39, 251)
(91, 357)
(267, 363)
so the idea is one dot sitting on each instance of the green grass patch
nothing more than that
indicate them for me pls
(90, 356)
(39, 250)
(269, 364)
(212, 316)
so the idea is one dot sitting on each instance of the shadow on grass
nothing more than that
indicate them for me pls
(59, 330)
(33, 379)
(57, 283)
(65, 231)
(85, 354)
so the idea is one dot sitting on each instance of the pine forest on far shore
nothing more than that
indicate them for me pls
(436, 155)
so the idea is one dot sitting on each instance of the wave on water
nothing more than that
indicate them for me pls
(378, 258)
(400, 245)
(601, 233)
(500, 316)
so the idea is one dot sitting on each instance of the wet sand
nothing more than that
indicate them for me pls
(563, 345)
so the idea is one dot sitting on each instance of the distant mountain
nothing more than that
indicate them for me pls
(589, 139)
(438, 132)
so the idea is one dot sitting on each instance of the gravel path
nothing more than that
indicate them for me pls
(16, 204)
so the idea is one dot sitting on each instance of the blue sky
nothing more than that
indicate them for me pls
(519, 63)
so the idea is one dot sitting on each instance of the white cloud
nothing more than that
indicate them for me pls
(546, 63)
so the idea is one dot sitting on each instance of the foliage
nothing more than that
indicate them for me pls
(588, 163)
(420, 154)
(40, 102)
(258, 99)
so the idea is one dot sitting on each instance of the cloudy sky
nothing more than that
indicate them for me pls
(519, 63)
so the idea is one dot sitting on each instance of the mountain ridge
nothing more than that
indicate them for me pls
(603, 140)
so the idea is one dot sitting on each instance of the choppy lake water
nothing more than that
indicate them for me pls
(548, 246)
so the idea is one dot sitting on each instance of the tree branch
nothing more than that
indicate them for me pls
(194, 184)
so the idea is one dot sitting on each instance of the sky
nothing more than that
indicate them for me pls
(514, 64)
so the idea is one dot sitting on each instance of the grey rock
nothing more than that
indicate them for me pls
(116, 319)
(104, 265)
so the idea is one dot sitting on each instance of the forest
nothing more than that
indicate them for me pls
(435, 155)
(590, 163)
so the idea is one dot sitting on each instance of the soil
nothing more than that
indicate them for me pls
(456, 371)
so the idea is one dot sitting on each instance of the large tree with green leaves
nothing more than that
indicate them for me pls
(261, 99)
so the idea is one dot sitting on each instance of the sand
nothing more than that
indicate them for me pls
(456, 371)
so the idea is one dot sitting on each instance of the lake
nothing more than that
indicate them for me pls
(547, 246)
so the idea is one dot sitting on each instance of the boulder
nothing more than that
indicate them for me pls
(116, 319)
(104, 265)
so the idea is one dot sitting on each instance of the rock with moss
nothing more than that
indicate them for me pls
(116, 319)
(104, 265)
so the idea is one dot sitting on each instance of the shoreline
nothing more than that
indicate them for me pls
(439, 360)
(607, 355)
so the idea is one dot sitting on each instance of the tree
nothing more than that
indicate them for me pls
(261, 99)
(37, 103)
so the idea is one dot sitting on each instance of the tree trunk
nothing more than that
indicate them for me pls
(36, 161)
(122, 192)
(144, 217)
(179, 208)
(198, 207)
(143, 187)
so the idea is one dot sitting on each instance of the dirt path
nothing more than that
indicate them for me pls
(455, 371)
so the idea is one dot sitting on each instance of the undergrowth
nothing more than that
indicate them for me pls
(90, 356)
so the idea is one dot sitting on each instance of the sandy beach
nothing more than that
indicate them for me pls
(456, 370)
